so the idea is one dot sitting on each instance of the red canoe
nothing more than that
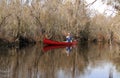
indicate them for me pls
(51, 42)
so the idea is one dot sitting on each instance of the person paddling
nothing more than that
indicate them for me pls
(69, 37)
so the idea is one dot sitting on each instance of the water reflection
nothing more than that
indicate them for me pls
(84, 61)
(68, 48)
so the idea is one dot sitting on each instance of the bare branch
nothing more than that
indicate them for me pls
(37, 18)
(91, 3)
(3, 19)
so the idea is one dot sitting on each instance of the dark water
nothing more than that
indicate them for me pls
(83, 61)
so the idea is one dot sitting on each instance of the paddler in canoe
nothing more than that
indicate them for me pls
(69, 38)
(69, 41)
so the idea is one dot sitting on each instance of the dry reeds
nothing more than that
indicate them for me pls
(34, 20)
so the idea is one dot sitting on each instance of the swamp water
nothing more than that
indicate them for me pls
(84, 61)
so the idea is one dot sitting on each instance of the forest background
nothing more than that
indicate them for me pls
(33, 19)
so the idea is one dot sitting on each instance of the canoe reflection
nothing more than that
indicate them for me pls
(68, 48)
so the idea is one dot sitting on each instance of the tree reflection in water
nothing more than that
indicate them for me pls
(83, 62)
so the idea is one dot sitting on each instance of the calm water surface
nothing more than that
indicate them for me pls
(81, 61)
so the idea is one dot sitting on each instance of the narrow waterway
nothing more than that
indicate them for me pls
(80, 61)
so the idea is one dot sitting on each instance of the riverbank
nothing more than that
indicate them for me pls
(26, 24)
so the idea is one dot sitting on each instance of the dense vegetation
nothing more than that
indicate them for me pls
(33, 19)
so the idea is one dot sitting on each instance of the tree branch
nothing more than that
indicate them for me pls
(91, 3)
(3, 19)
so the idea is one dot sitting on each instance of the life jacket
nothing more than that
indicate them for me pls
(69, 39)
